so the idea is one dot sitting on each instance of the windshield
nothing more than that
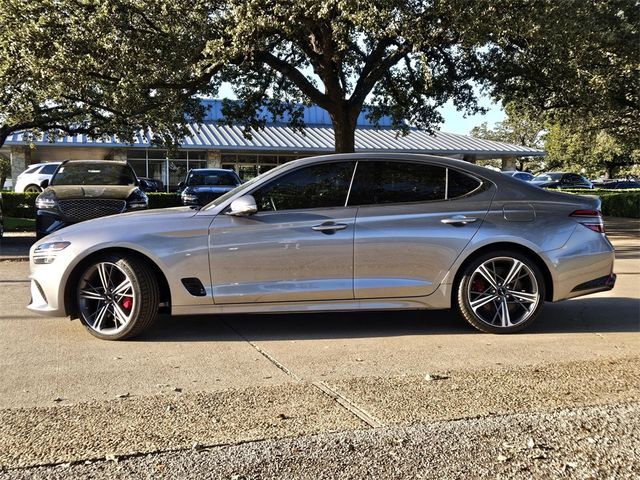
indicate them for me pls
(212, 177)
(548, 177)
(94, 174)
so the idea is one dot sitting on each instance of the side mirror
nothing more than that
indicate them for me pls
(180, 185)
(44, 184)
(243, 206)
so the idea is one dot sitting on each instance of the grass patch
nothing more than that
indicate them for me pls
(12, 224)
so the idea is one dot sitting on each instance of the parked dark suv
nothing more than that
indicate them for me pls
(204, 185)
(84, 189)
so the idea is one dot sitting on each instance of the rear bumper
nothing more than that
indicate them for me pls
(584, 265)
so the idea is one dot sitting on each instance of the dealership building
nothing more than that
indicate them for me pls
(213, 144)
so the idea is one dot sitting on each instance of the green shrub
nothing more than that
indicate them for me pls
(164, 200)
(19, 205)
(616, 203)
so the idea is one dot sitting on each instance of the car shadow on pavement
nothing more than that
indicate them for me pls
(589, 315)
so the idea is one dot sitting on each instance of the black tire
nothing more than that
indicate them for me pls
(510, 296)
(32, 189)
(145, 297)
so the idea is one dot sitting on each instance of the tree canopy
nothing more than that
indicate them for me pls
(103, 67)
(113, 66)
(576, 61)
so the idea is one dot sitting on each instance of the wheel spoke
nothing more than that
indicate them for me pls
(102, 272)
(118, 314)
(476, 304)
(488, 276)
(89, 295)
(102, 312)
(513, 272)
(504, 313)
(524, 296)
(125, 289)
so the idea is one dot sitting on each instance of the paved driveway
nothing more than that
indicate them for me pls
(218, 380)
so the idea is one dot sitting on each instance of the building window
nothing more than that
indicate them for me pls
(170, 170)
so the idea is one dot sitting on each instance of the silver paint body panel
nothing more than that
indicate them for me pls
(387, 257)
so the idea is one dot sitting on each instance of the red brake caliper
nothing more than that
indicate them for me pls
(127, 303)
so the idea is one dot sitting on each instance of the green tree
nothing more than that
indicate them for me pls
(404, 58)
(594, 153)
(103, 67)
(519, 128)
(576, 61)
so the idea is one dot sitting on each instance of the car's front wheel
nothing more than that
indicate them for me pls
(32, 189)
(117, 297)
(501, 292)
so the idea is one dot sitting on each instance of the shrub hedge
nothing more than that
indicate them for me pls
(615, 203)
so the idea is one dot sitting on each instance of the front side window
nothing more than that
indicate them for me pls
(317, 186)
(397, 182)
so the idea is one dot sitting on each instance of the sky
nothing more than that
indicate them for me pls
(454, 121)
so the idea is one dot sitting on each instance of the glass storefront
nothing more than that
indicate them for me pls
(248, 166)
(153, 163)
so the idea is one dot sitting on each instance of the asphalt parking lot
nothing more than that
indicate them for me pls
(203, 386)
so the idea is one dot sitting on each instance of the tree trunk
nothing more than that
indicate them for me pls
(344, 130)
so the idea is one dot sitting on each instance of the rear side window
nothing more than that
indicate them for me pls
(397, 182)
(461, 184)
(49, 169)
(31, 170)
(316, 186)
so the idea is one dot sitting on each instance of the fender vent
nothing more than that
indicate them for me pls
(194, 286)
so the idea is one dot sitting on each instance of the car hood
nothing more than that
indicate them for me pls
(114, 192)
(144, 220)
(209, 189)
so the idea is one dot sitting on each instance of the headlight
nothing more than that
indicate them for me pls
(189, 197)
(46, 201)
(138, 199)
(47, 252)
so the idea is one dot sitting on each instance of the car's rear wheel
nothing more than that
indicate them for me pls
(117, 297)
(32, 189)
(501, 292)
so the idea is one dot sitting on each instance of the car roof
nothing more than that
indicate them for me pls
(118, 162)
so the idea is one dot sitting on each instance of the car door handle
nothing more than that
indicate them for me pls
(329, 227)
(458, 220)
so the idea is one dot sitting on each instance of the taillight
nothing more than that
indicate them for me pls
(592, 219)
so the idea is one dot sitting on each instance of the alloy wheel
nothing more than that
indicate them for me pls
(503, 292)
(106, 298)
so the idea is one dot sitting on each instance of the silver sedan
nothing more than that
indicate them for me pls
(333, 233)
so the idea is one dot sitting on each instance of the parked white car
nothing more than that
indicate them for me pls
(32, 178)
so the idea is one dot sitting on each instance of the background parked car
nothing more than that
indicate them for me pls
(561, 180)
(32, 179)
(85, 189)
(617, 184)
(204, 185)
(525, 176)
(151, 184)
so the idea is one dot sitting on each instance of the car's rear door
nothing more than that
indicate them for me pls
(297, 247)
(414, 219)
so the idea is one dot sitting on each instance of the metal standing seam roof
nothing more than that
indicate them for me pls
(315, 138)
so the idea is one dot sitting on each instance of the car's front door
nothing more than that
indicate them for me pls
(413, 221)
(297, 247)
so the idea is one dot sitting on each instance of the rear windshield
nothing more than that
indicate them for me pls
(213, 177)
(94, 174)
